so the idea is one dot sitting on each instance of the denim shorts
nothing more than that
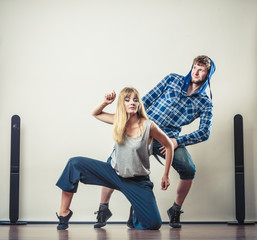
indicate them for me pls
(182, 161)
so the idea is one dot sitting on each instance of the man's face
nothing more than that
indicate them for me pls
(199, 74)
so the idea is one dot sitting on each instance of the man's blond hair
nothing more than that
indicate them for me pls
(203, 61)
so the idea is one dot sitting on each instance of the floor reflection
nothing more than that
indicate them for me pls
(101, 234)
(175, 233)
(118, 231)
(240, 233)
(143, 234)
(14, 231)
(63, 234)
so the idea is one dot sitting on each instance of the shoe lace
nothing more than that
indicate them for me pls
(100, 215)
(177, 216)
(61, 219)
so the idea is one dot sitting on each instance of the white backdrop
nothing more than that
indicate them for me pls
(58, 59)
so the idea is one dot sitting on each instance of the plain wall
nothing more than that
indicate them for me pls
(59, 57)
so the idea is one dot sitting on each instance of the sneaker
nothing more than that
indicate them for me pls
(63, 221)
(174, 216)
(130, 220)
(103, 214)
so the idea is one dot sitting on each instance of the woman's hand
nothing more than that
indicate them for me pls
(163, 149)
(98, 110)
(165, 182)
(109, 97)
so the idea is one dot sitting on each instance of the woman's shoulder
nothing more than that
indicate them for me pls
(148, 124)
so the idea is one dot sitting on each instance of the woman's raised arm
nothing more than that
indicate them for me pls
(98, 110)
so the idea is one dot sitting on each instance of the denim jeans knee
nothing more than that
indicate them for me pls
(182, 161)
(183, 164)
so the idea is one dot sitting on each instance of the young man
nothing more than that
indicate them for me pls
(176, 101)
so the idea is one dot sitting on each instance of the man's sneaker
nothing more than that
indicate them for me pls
(103, 214)
(130, 220)
(63, 221)
(174, 216)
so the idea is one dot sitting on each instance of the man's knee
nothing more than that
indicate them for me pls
(188, 173)
(183, 164)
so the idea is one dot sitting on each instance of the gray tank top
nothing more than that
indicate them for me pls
(131, 158)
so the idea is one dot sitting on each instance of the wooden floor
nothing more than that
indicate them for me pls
(121, 232)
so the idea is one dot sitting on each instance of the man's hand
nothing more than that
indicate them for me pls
(174, 141)
(165, 182)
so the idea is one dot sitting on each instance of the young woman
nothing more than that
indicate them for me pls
(128, 167)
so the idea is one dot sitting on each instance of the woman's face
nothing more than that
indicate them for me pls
(131, 103)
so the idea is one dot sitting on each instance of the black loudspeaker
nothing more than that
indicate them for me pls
(239, 168)
(239, 171)
(14, 172)
(15, 169)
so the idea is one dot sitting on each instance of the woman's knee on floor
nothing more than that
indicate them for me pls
(153, 219)
(148, 224)
(155, 224)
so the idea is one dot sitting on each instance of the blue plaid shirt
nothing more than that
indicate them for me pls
(170, 108)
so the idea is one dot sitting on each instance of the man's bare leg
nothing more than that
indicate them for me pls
(183, 189)
(174, 212)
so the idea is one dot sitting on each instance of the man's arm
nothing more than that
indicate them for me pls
(156, 92)
(203, 132)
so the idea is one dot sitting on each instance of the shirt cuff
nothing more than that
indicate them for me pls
(181, 141)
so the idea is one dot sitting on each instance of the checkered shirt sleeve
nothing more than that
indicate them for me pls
(170, 108)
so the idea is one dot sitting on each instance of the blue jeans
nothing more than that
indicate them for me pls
(182, 161)
(138, 190)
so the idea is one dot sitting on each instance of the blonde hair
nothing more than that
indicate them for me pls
(121, 117)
